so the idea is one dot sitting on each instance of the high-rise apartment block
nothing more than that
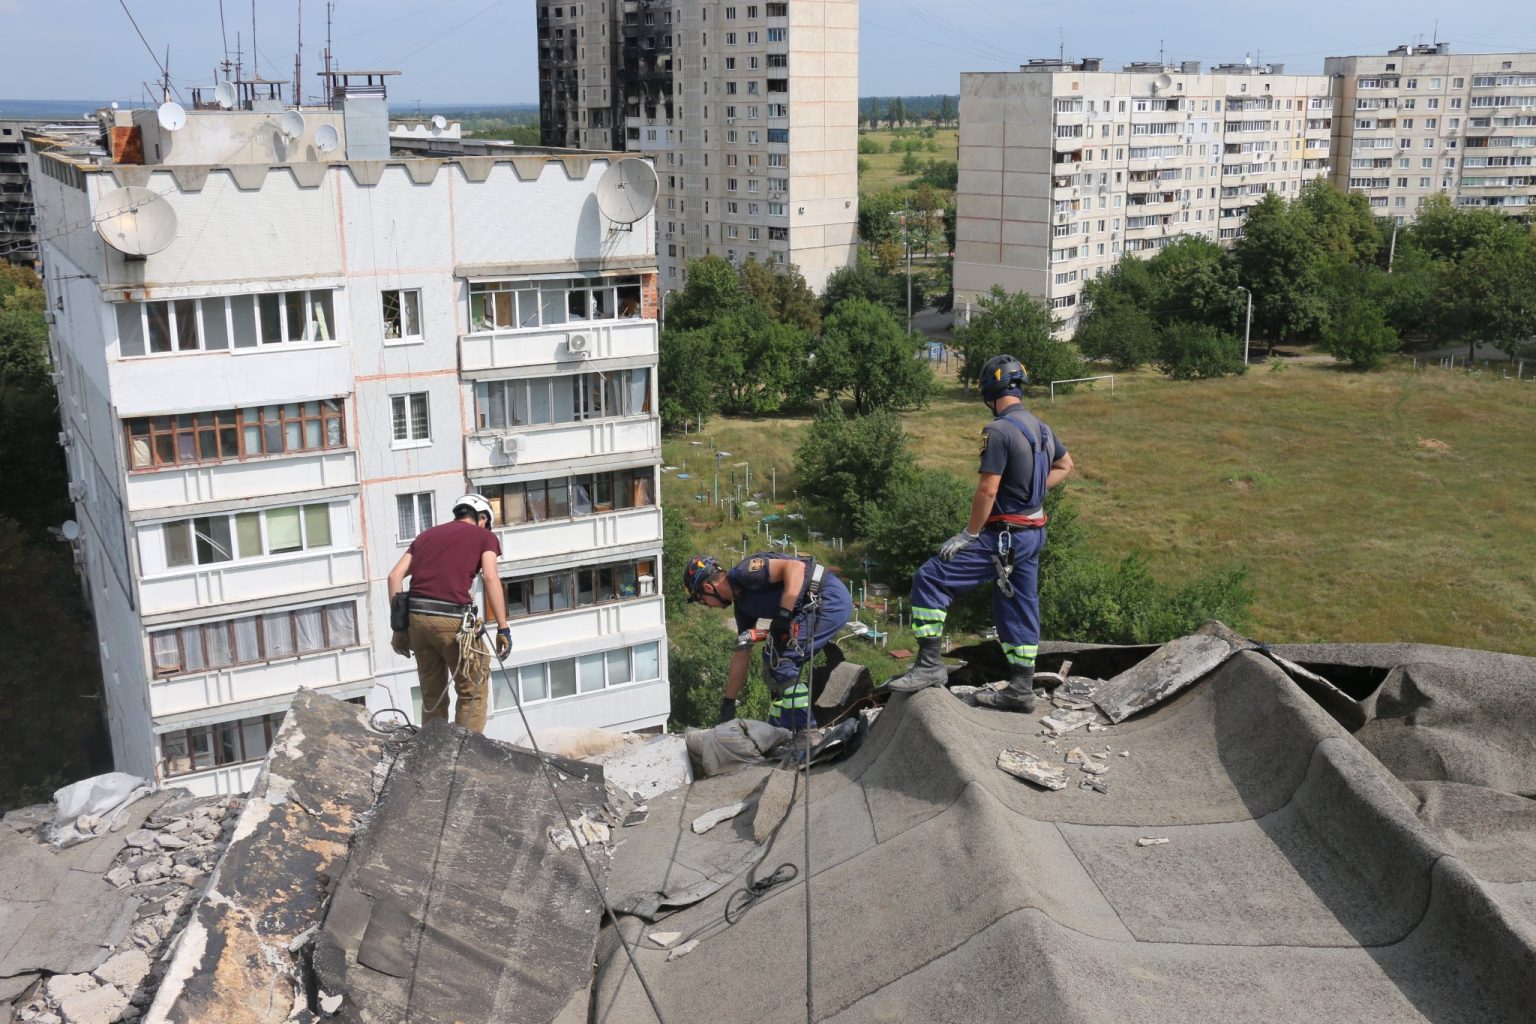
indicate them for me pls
(1065, 167)
(283, 351)
(1420, 120)
(749, 110)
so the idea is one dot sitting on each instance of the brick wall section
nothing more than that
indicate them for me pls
(649, 300)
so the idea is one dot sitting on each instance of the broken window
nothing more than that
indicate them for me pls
(213, 746)
(402, 314)
(227, 435)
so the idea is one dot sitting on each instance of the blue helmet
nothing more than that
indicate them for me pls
(699, 571)
(1002, 374)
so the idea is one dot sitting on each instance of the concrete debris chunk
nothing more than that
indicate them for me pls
(1062, 722)
(583, 832)
(1068, 702)
(127, 970)
(1152, 841)
(329, 1004)
(1097, 785)
(683, 950)
(665, 939)
(1092, 767)
(704, 822)
(1031, 768)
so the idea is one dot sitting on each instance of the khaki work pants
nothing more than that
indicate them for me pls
(435, 643)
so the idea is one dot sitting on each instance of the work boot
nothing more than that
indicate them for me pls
(1019, 695)
(928, 670)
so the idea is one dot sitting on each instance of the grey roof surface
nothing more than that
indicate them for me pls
(1302, 879)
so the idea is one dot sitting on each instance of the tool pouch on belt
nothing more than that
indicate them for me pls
(400, 611)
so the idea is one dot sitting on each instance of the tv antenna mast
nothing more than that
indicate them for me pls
(298, 62)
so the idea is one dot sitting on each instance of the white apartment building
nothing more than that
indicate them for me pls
(749, 110)
(324, 346)
(1065, 167)
(1420, 120)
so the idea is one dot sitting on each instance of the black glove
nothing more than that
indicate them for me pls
(781, 629)
(503, 641)
(727, 710)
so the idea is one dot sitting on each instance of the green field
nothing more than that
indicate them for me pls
(1398, 505)
(883, 170)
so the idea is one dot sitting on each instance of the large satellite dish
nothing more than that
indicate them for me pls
(439, 122)
(224, 94)
(70, 530)
(172, 116)
(327, 138)
(291, 124)
(627, 190)
(1162, 82)
(135, 221)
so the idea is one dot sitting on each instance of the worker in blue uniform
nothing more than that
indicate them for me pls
(1021, 458)
(804, 605)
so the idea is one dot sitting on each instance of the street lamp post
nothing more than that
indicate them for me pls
(1248, 323)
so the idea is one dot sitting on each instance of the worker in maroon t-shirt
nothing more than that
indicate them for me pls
(443, 629)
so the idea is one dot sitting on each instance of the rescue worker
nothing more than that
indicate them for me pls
(1021, 458)
(443, 629)
(793, 593)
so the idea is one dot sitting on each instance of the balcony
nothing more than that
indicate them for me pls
(540, 637)
(229, 583)
(561, 445)
(169, 695)
(542, 346)
(581, 534)
(276, 475)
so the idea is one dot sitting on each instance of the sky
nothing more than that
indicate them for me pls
(482, 51)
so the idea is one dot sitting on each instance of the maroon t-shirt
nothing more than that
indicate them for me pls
(445, 558)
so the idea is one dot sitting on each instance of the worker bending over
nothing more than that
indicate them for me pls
(797, 596)
(1021, 458)
(441, 625)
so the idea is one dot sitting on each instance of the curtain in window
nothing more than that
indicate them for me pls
(419, 417)
(216, 643)
(247, 643)
(317, 526)
(341, 620)
(283, 530)
(311, 630)
(647, 662)
(248, 534)
(589, 672)
(639, 393)
(405, 512)
(166, 654)
(277, 630)
(191, 649)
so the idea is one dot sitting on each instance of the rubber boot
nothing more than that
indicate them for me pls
(1019, 695)
(928, 670)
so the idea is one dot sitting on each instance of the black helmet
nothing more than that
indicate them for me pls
(699, 571)
(1001, 374)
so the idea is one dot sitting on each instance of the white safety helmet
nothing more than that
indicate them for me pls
(476, 503)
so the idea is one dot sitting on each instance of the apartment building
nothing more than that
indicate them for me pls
(749, 110)
(1065, 166)
(1420, 120)
(283, 350)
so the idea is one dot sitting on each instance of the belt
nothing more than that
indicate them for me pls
(1026, 520)
(429, 606)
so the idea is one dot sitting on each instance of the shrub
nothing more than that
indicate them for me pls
(870, 147)
(1191, 351)
(846, 465)
(1361, 337)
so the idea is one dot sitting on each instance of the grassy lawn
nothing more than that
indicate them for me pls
(1389, 506)
(883, 170)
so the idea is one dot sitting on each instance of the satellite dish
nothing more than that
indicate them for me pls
(70, 530)
(327, 138)
(224, 94)
(439, 122)
(172, 116)
(135, 220)
(291, 124)
(1162, 82)
(627, 190)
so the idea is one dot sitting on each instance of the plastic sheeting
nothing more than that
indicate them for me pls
(91, 807)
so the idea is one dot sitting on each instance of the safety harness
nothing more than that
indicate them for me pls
(1007, 522)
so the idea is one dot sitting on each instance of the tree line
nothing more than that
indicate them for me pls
(899, 111)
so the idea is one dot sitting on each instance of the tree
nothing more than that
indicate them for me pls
(946, 110)
(847, 465)
(1447, 233)
(24, 360)
(1191, 351)
(713, 291)
(910, 164)
(1360, 337)
(897, 112)
(1489, 295)
(875, 111)
(757, 362)
(879, 219)
(907, 527)
(944, 174)
(686, 374)
(1022, 327)
(866, 280)
(1339, 223)
(1195, 279)
(783, 294)
(1278, 260)
(864, 353)
(1119, 331)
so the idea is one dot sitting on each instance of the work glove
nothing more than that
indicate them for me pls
(400, 640)
(782, 629)
(727, 710)
(503, 642)
(952, 547)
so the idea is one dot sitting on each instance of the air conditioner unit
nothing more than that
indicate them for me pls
(66, 438)
(578, 344)
(511, 445)
(76, 490)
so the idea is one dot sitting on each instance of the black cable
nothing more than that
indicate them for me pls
(581, 847)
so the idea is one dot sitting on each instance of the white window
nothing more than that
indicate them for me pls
(413, 513)
(411, 423)
(218, 324)
(240, 536)
(402, 314)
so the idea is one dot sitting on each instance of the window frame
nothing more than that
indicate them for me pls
(400, 302)
(212, 736)
(173, 315)
(421, 510)
(178, 636)
(406, 417)
(143, 435)
(213, 537)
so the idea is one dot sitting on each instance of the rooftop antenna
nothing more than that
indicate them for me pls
(330, 6)
(298, 62)
(1061, 45)
(165, 76)
(255, 51)
(1437, 31)
(1161, 58)
(224, 33)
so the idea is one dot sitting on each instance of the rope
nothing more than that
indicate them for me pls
(581, 848)
(805, 668)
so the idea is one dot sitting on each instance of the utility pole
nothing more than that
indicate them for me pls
(1248, 324)
(298, 62)
(1392, 250)
(906, 234)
